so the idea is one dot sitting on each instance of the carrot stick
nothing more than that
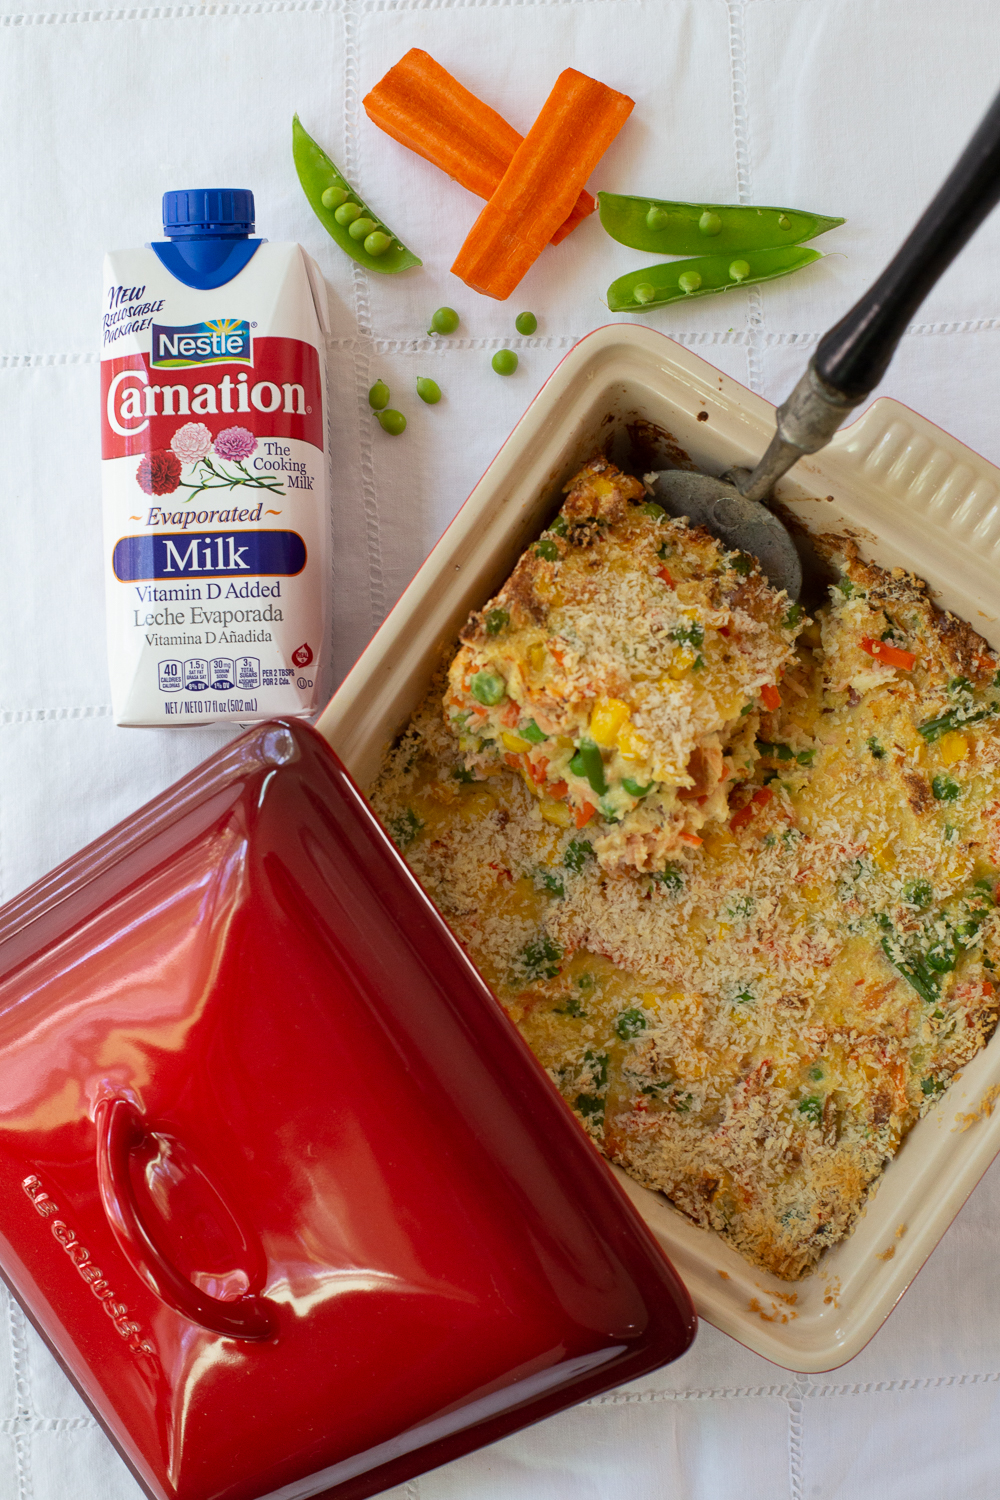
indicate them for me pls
(577, 124)
(420, 105)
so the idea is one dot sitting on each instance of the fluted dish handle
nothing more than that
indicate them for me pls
(121, 1128)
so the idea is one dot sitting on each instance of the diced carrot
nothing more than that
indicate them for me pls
(690, 838)
(577, 124)
(664, 573)
(423, 107)
(510, 714)
(770, 697)
(537, 769)
(762, 795)
(559, 789)
(584, 815)
(514, 761)
(891, 655)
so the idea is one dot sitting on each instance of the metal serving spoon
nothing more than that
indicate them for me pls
(849, 362)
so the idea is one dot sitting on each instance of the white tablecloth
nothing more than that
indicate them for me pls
(853, 107)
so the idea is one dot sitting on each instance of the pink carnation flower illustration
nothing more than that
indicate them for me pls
(191, 442)
(159, 473)
(235, 443)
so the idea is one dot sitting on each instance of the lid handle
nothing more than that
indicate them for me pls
(120, 1128)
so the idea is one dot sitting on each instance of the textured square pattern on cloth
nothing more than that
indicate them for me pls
(852, 107)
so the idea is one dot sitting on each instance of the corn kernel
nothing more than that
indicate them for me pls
(631, 743)
(683, 661)
(885, 858)
(952, 748)
(607, 717)
(559, 814)
(536, 658)
(514, 742)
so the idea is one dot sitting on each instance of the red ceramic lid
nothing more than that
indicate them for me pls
(284, 1190)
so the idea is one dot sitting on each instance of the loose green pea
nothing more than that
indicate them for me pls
(334, 196)
(428, 390)
(644, 292)
(376, 243)
(739, 270)
(378, 396)
(347, 213)
(526, 323)
(657, 218)
(392, 422)
(709, 223)
(690, 281)
(360, 229)
(445, 320)
(504, 361)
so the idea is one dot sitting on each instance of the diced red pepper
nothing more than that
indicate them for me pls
(559, 789)
(690, 838)
(740, 819)
(770, 697)
(891, 655)
(664, 573)
(537, 769)
(584, 815)
(514, 761)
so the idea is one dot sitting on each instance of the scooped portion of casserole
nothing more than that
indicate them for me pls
(621, 669)
(752, 1028)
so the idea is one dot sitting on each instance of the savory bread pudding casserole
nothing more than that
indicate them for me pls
(731, 871)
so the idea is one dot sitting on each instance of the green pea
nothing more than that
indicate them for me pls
(376, 243)
(689, 281)
(526, 323)
(497, 620)
(504, 361)
(334, 196)
(392, 422)
(428, 390)
(361, 228)
(635, 788)
(547, 548)
(378, 396)
(739, 270)
(709, 223)
(347, 213)
(445, 320)
(644, 292)
(532, 733)
(488, 688)
(784, 222)
(657, 218)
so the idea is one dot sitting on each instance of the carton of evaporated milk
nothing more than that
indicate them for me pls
(216, 528)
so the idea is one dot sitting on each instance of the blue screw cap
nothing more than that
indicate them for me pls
(208, 213)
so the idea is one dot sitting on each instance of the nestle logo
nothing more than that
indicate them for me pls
(220, 341)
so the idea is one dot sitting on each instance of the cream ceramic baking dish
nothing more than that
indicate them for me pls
(910, 495)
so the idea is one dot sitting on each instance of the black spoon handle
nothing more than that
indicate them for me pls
(854, 355)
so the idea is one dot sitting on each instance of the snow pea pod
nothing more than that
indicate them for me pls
(317, 174)
(654, 286)
(666, 228)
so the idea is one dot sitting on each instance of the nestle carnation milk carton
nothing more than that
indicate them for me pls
(216, 528)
